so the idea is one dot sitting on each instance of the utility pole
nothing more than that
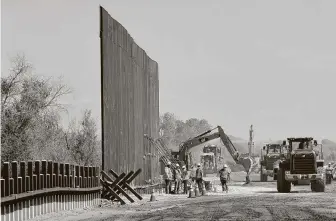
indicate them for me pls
(251, 142)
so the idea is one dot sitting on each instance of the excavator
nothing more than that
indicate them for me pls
(184, 149)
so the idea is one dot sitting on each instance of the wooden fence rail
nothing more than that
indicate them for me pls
(33, 188)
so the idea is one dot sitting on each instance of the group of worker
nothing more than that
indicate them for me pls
(194, 177)
(181, 176)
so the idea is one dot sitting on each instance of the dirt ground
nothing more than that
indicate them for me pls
(255, 201)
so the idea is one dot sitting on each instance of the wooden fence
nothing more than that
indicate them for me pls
(33, 188)
(130, 102)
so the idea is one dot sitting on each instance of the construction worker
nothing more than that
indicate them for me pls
(229, 173)
(224, 176)
(193, 174)
(177, 178)
(329, 174)
(168, 176)
(199, 177)
(185, 179)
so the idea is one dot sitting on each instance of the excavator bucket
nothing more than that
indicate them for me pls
(247, 163)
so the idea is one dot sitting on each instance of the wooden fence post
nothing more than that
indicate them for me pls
(90, 185)
(94, 176)
(31, 187)
(43, 186)
(66, 184)
(15, 176)
(20, 178)
(19, 205)
(77, 176)
(81, 185)
(50, 172)
(5, 175)
(30, 174)
(23, 173)
(61, 167)
(56, 184)
(61, 184)
(37, 172)
(77, 185)
(56, 172)
(50, 178)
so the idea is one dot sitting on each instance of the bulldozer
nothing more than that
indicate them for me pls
(302, 162)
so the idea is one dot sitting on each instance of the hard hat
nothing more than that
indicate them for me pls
(177, 165)
(183, 166)
(169, 163)
(225, 165)
(329, 163)
(198, 164)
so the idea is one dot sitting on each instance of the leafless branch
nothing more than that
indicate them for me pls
(19, 67)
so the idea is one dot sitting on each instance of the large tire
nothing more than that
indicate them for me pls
(313, 186)
(319, 185)
(263, 177)
(283, 186)
(275, 169)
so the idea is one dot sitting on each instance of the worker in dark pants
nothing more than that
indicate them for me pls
(329, 175)
(199, 177)
(177, 178)
(224, 176)
(185, 179)
(168, 176)
(193, 174)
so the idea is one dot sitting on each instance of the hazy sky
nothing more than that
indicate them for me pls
(234, 63)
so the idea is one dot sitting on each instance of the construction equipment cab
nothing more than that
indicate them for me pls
(303, 162)
(269, 160)
(211, 159)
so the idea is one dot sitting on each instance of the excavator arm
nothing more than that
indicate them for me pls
(185, 147)
(245, 161)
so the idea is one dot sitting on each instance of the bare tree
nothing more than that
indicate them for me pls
(9, 85)
(25, 101)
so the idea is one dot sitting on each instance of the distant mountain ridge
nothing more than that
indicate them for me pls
(233, 138)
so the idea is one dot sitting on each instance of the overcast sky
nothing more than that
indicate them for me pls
(234, 63)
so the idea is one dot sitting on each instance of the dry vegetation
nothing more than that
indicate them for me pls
(31, 124)
(175, 131)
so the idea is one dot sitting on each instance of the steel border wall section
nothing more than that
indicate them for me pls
(129, 102)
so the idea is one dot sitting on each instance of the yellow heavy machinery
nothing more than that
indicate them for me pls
(183, 157)
(302, 162)
(269, 161)
(185, 147)
(211, 159)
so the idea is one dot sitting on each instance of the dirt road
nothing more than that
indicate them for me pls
(256, 201)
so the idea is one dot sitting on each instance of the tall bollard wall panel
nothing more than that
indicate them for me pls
(130, 102)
